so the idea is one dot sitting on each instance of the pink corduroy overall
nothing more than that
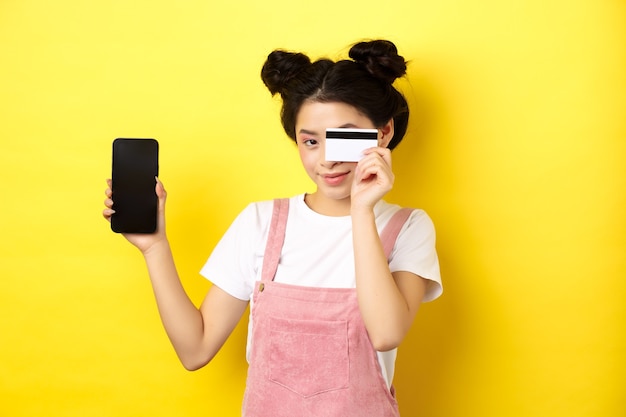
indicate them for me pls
(311, 355)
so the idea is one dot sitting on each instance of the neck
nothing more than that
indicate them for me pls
(328, 206)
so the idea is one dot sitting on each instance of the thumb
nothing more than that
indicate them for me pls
(160, 191)
(162, 196)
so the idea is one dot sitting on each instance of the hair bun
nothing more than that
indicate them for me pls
(380, 58)
(280, 67)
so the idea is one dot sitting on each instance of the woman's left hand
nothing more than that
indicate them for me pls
(373, 178)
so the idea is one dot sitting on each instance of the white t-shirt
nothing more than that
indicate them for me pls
(317, 252)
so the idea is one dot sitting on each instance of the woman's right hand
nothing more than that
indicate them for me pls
(142, 241)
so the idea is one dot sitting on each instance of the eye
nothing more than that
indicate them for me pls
(309, 142)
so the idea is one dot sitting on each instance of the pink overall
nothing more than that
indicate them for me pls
(311, 355)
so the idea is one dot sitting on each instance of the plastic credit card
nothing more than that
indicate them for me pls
(348, 144)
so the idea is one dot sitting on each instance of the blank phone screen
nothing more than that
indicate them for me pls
(135, 166)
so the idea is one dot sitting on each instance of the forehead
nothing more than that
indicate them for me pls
(316, 116)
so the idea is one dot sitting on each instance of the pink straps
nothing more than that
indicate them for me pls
(278, 225)
(391, 231)
(275, 239)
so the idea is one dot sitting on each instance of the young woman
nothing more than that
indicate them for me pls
(334, 277)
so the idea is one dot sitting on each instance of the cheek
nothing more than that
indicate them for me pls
(308, 158)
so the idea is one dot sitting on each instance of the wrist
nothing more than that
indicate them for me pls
(156, 248)
(362, 213)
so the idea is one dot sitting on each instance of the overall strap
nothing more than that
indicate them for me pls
(390, 233)
(278, 224)
(275, 239)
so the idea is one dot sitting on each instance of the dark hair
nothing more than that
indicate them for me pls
(364, 82)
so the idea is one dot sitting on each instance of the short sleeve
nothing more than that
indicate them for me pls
(234, 263)
(415, 252)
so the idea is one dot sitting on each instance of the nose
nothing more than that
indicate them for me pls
(322, 158)
(328, 164)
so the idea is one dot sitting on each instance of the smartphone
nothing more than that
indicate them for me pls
(347, 144)
(133, 179)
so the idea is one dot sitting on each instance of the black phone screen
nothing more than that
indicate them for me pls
(135, 167)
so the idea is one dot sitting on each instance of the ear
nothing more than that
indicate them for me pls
(385, 134)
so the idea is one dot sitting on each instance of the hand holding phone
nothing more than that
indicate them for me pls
(134, 171)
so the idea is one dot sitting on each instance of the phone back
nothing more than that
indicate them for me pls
(135, 167)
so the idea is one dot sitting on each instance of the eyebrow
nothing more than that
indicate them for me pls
(310, 132)
(307, 132)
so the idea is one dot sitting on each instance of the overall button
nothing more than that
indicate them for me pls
(261, 287)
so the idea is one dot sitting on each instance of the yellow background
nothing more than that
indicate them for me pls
(517, 150)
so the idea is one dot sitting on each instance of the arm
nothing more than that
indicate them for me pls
(196, 334)
(388, 302)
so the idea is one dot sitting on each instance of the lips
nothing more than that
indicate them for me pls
(335, 178)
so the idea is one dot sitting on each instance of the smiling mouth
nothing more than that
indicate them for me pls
(335, 178)
(335, 175)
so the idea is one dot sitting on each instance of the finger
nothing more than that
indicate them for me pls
(371, 162)
(379, 156)
(160, 189)
(383, 153)
(366, 172)
(387, 157)
(107, 213)
(162, 195)
(375, 168)
(108, 203)
(108, 192)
